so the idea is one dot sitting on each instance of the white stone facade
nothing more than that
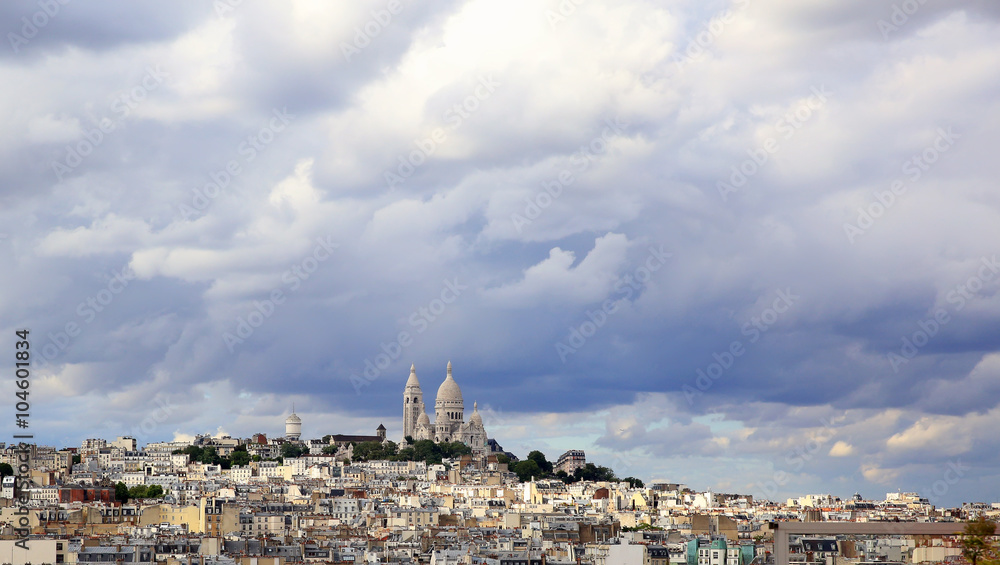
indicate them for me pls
(449, 415)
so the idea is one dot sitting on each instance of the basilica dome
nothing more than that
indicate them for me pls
(449, 392)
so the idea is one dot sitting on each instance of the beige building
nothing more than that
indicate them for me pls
(218, 517)
(34, 551)
(175, 515)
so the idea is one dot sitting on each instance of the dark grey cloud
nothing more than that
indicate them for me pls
(35, 29)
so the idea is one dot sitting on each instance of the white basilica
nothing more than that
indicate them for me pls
(449, 415)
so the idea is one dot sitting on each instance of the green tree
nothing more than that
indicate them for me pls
(375, 451)
(76, 459)
(977, 540)
(330, 450)
(502, 458)
(543, 463)
(210, 456)
(240, 458)
(6, 470)
(138, 491)
(454, 449)
(527, 469)
(409, 439)
(596, 473)
(427, 451)
(633, 482)
(293, 450)
(121, 493)
(154, 491)
(194, 452)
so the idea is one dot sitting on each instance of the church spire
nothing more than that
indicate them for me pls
(412, 381)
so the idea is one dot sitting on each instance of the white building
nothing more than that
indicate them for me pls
(293, 426)
(449, 414)
(126, 443)
(239, 474)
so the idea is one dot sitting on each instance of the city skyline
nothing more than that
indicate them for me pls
(746, 245)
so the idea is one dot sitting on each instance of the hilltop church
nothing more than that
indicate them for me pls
(449, 415)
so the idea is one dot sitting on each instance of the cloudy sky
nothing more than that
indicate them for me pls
(749, 246)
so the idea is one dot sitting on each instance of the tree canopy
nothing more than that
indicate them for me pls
(537, 466)
(543, 464)
(634, 482)
(240, 458)
(121, 492)
(375, 451)
(591, 472)
(207, 455)
(124, 494)
(527, 469)
(977, 542)
(293, 450)
(423, 450)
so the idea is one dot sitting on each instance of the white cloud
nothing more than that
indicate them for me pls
(556, 278)
(841, 449)
(53, 129)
